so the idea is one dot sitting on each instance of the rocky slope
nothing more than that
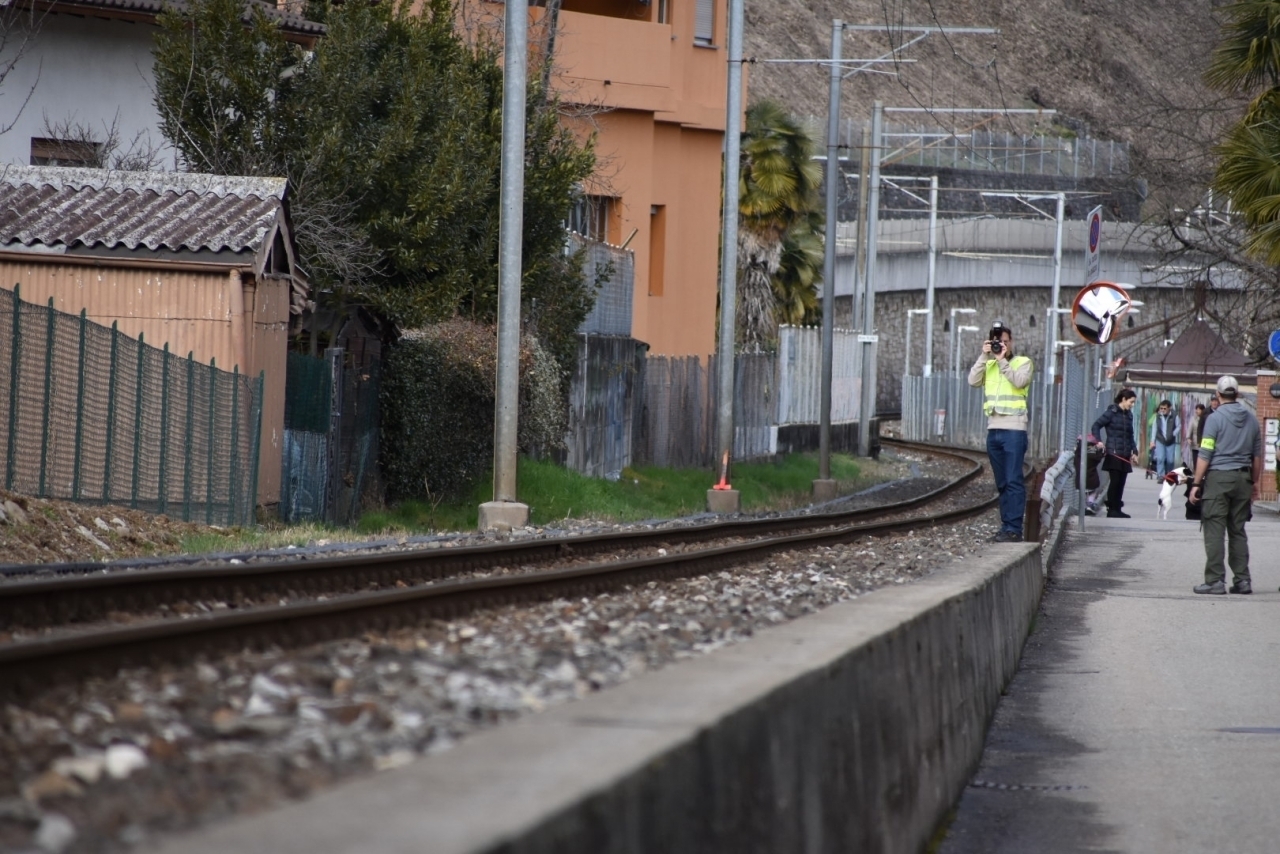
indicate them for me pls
(1127, 70)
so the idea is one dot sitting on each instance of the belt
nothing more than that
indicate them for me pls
(1245, 469)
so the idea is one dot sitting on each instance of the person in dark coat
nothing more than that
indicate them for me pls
(1121, 447)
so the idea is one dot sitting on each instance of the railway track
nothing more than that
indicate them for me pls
(407, 587)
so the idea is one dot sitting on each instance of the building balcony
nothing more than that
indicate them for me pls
(614, 62)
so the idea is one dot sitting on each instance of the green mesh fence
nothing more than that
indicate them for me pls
(91, 415)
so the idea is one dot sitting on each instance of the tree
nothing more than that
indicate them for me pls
(1247, 61)
(390, 135)
(778, 268)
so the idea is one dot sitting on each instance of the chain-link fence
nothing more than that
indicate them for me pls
(95, 416)
(615, 270)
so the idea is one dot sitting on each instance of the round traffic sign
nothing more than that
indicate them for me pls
(1095, 231)
(1273, 345)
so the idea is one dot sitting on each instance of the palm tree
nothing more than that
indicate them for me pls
(779, 212)
(1247, 60)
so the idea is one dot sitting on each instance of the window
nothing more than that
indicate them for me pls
(664, 11)
(657, 248)
(590, 217)
(65, 152)
(704, 26)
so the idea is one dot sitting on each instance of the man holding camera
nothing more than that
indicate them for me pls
(1005, 379)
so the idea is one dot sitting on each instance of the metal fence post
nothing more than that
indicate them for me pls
(334, 357)
(109, 447)
(163, 506)
(48, 394)
(213, 406)
(15, 352)
(75, 476)
(234, 481)
(137, 422)
(187, 445)
(256, 438)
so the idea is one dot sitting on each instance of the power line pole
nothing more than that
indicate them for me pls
(931, 281)
(868, 338)
(824, 488)
(723, 498)
(504, 511)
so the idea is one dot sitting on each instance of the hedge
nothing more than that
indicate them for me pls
(438, 407)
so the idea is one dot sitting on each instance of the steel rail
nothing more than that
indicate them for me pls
(86, 598)
(29, 665)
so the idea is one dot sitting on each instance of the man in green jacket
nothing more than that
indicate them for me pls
(1227, 480)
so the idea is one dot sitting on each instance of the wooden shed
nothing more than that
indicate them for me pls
(204, 263)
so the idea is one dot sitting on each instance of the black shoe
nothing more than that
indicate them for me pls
(1217, 588)
(1118, 514)
(1242, 587)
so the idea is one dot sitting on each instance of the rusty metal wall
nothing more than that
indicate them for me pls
(189, 311)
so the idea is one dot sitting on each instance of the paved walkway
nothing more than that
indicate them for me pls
(1143, 718)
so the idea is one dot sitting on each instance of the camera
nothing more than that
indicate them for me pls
(997, 346)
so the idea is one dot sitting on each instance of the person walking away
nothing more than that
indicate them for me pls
(1228, 479)
(1166, 436)
(1120, 446)
(1197, 428)
(1004, 379)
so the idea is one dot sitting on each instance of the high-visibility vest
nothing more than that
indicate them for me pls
(1001, 397)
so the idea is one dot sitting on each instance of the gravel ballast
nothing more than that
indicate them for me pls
(106, 764)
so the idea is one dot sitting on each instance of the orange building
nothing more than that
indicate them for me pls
(648, 78)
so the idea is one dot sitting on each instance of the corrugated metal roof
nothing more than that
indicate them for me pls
(288, 22)
(55, 206)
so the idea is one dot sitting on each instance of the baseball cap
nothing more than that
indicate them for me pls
(1228, 385)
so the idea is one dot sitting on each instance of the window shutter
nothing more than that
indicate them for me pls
(704, 28)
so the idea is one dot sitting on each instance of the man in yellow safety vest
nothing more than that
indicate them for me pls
(1004, 379)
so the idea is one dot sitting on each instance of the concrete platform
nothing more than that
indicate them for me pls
(1143, 717)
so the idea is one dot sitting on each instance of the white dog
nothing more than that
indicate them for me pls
(1168, 484)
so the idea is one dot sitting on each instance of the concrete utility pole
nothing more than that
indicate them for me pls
(931, 282)
(824, 488)
(504, 511)
(868, 339)
(723, 498)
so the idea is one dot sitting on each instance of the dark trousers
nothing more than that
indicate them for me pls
(1006, 450)
(1115, 492)
(1228, 499)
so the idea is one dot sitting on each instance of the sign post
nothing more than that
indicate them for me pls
(1092, 260)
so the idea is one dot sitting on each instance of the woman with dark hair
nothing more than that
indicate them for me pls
(1121, 447)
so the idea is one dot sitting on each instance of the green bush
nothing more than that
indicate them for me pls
(437, 408)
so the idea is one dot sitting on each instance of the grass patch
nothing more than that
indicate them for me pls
(276, 535)
(554, 493)
(643, 492)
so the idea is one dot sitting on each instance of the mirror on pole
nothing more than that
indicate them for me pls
(1098, 309)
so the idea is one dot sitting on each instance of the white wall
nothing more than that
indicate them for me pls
(93, 70)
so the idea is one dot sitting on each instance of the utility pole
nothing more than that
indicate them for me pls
(868, 339)
(931, 281)
(504, 511)
(824, 488)
(722, 497)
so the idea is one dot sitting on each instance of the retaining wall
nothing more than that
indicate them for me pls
(854, 729)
